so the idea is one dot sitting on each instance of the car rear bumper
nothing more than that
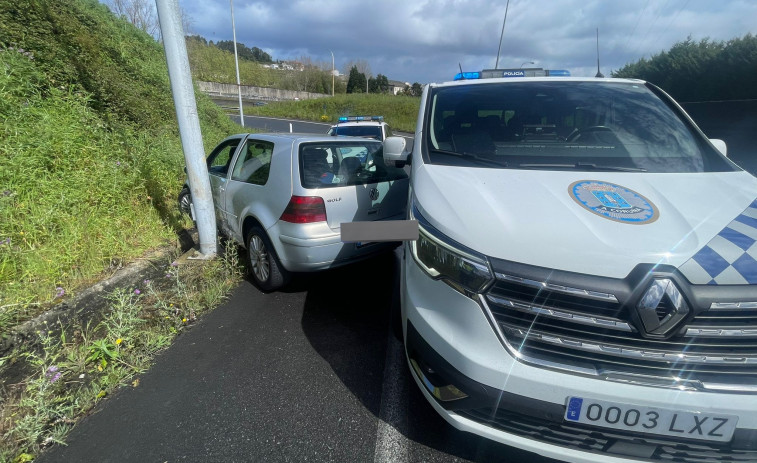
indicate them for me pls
(312, 247)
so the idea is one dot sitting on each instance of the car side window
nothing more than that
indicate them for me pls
(254, 163)
(220, 158)
(388, 131)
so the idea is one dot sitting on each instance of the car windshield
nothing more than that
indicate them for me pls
(371, 131)
(565, 125)
(329, 165)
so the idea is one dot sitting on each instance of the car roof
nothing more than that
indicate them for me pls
(296, 137)
(504, 80)
(358, 123)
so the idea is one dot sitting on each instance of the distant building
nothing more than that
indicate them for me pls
(395, 86)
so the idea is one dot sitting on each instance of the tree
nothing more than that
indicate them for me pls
(363, 68)
(356, 82)
(144, 15)
(701, 71)
(253, 54)
(379, 85)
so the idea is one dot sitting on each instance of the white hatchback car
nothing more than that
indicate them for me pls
(285, 196)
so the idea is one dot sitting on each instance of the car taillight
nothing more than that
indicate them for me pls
(305, 209)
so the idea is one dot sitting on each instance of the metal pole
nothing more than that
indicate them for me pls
(236, 62)
(189, 124)
(502, 34)
(332, 73)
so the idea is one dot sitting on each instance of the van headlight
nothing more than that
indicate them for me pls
(438, 255)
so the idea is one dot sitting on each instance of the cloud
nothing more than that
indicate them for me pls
(428, 40)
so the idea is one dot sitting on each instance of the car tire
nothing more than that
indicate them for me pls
(185, 201)
(265, 268)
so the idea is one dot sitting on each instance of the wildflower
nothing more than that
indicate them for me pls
(60, 292)
(5, 241)
(174, 264)
(184, 320)
(21, 233)
(118, 163)
(119, 341)
(7, 193)
(169, 275)
(137, 292)
(52, 374)
(147, 282)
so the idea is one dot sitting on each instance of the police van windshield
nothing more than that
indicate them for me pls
(564, 125)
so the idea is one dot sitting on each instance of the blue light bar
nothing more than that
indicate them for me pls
(467, 75)
(558, 73)
(360, 118)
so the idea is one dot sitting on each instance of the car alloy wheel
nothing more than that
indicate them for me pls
(265, 269)
(261, 267)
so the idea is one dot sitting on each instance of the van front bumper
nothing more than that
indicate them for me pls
(450, 341)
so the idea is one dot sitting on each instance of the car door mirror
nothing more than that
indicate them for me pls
(720, 145)
(395, 152)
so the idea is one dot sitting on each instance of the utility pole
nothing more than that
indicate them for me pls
(236, 62)
(332, 73)
(189, 124)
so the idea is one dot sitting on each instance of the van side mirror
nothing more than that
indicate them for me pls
(395, 153)
(720, 145)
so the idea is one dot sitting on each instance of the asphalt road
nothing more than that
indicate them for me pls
(272, 124)
(306, 374)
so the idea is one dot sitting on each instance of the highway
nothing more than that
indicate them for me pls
(273, 124)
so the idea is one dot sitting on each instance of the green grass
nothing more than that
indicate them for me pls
(400, 112)
(90, 157)
(77, 366)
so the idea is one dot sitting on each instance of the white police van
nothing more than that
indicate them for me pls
(585, 281)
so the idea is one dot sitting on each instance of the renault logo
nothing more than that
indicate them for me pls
(662, 307)
(373, 194)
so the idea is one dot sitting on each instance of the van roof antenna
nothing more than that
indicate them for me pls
(461, 71)
(599, 73)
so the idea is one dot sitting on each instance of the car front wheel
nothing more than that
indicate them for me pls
(265, 269)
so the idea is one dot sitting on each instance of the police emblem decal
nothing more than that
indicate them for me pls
(613, 202)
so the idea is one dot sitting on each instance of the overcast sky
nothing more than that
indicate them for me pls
(425, 41)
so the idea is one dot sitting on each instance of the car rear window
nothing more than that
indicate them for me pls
(329, 165)
(372, 131)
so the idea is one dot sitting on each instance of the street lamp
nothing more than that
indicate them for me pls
(332, 73)
(236, 62)
(527, 62)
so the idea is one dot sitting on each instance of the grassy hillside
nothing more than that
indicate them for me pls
(400, 112)
(90, 158)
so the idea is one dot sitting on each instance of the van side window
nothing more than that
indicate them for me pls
(254, 162)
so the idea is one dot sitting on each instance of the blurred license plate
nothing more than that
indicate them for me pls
(660, 421)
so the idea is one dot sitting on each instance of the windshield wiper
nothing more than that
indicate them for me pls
(472, 157)
(585, 165)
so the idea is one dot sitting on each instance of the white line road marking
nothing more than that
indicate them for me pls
(391, 443)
